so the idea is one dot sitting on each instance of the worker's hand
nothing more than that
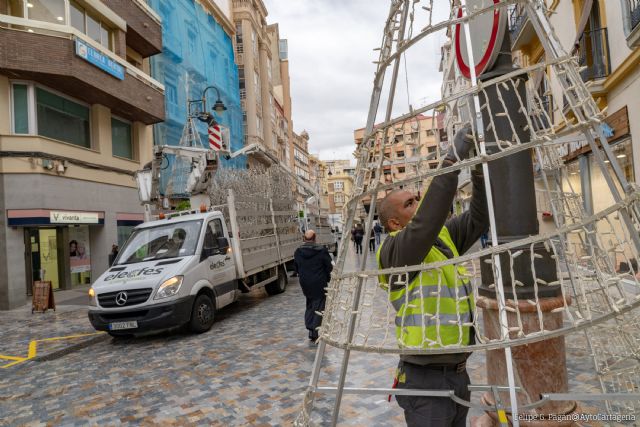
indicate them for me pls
(462, 145)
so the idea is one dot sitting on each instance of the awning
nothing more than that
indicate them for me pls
(40, 217)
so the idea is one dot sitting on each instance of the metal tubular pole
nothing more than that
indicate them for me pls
(504, 325)
(372, 206)
(373, 108)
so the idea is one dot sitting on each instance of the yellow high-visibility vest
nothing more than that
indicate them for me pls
(436, 308)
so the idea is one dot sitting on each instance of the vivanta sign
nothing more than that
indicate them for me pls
(60, 217)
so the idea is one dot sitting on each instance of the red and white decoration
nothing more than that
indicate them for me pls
(215, 137)
(487, 32)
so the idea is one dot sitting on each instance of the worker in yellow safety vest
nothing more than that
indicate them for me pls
(434, 308)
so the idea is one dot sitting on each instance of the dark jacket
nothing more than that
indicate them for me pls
(313, 264)
(358, 233)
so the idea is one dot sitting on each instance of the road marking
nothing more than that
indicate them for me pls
(32, 352)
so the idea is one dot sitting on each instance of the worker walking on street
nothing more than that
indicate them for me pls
(313, 264)
(421, 234)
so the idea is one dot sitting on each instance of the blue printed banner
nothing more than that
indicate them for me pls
(99, 59)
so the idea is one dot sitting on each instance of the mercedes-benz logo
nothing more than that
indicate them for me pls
(121, 298)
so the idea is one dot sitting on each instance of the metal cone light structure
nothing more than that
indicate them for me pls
(537, 292)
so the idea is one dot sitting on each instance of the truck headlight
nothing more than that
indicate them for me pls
(92, 297)
(169, 287)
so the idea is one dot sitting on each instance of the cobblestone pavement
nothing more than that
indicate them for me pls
(250, 369)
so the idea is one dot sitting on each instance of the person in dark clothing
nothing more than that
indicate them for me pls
(377, 229)
(313, 264)
(372, 241)
(419, 234)
(358, 235)
(114, 254)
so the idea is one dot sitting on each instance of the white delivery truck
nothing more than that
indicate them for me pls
(181, 269)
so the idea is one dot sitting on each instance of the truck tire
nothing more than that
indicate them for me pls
(277, 287)
(202, 314)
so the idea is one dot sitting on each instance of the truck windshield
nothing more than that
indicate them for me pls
(165, 241)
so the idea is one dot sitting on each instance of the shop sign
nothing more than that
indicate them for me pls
(60, 217)
(99, 59)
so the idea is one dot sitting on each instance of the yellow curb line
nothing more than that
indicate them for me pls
(33, 345)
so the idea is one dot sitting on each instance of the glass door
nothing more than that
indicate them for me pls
(44, 255)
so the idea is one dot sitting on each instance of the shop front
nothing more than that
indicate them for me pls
(58, 245)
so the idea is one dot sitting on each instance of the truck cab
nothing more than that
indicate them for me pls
(170, 273)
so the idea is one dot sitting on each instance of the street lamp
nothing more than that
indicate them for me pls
(204, 115)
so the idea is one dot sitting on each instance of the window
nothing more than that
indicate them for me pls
(256, 81)
(16, 8)
(90, 25)
(20, 109)
(214, 230)
(338, 185)
(76, 16)
(254, 42)
(283, 47)
(121, 141)
(338, 198)
(259, 126)
(47, 11)
(432, 149)
(62, 119)
(401, 170)
(400, 154)
(239, 43)
(241, 78)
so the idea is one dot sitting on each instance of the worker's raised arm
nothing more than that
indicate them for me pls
(411, 244)
(466, 229)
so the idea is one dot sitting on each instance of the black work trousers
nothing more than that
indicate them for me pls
(311, 319)
(426, 411)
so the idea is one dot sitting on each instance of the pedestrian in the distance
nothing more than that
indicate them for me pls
(372, 241)
(313, 264)
(358, 235)
(377, 229)
(114, 254)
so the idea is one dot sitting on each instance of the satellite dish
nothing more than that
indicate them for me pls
(487, 32)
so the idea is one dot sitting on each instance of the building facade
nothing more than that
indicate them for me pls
(301, 166)
(340, 177)
(282, 127)
(198, 54)
(605, 36)
(411, 149)
(76, 107)
(255, 68)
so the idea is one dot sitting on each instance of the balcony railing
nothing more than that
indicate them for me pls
(594, 54)
(517, 19)
(634, 12)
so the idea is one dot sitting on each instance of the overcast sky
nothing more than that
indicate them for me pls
(331, 58)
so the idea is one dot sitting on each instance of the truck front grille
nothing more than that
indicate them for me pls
(129, 296)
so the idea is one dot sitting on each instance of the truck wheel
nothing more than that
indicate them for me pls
(202, 314)
(277, 287)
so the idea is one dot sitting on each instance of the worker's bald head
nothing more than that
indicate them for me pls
(396, 209)
(309, 236)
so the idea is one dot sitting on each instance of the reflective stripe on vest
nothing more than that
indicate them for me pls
(435, 309)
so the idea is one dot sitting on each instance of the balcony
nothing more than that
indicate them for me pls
(521, 30)
(47, 55)
(593, 53)
(144, 26)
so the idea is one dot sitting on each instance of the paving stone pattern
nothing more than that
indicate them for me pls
(251, 369)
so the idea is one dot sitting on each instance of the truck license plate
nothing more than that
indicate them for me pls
(123, 325)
